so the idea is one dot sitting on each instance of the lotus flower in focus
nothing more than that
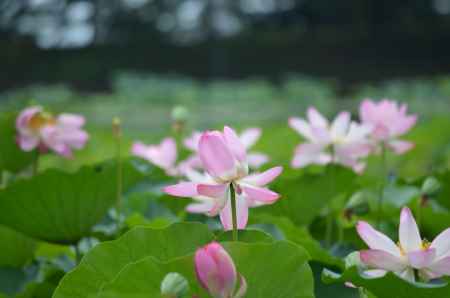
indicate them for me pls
(217, 273)
(163, 155)
(389, 121)
(431, 260)
(224, 158)
(342, 142)
(37, 129)
(248, 138)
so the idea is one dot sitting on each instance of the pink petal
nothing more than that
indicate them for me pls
(250, 136)
(216, 157)
(203, 208)
(260, 194)
(71, 120)
(264, 177)
(192, 141)
(25, 116)
(234, 144)
(441, 267)
(442, 243)
(341, 124)
(421, 258)
(28, 143)
(212, 190)
(302, 127)
(315, 118)
(307, 153)
(183, 189)
(366, 111)
(409, 235)
(241, 214)
(320, 135)
(376, 240)
(256, 160)
(381, 259)
(168, 151)
(400, 147)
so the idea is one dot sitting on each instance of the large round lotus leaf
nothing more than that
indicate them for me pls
(304, 196)
(61, 207)
(102, 264)
(12, 159)
(389, 286)
(278, 270)
(16, 248)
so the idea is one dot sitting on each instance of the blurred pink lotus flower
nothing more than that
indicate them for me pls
(432, 260)
(389, 121)
(163, 155)
(248, 138)
(224, 158)
(217, 273)
(39, 129)
(342, 142)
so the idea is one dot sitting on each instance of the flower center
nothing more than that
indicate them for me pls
(39, 120)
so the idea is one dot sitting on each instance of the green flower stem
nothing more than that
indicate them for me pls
(78, 255)
(383, 179)
(233, 212)
(117, 131)
(329, 229)
(37, 156)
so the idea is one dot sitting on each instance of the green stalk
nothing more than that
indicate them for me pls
(233, 212)
(329, 219)
(117, 131)
(383, 179)
(36, 162)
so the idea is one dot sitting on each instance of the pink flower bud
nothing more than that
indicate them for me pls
(216, 272)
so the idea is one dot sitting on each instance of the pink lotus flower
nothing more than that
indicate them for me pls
(224, 158)
(163, 155)
(432, 260)
(248, 138)
(39, 129)
(389, 121)
(342, 142)
(217, 273)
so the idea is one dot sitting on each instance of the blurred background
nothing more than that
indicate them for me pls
(237, 62)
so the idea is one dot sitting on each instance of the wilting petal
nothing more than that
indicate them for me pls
(183, 189)
(400, 147)
(441, 267)
(409, 232)
(421, 258)
(302, 127)
(217, 159)
(260, 194)
(315, 118)
(263, 178)
(340, 125)
(241, 213)
(381, 259)
(442, 244)
(234, 144)
(250, 136)
(376, 240)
